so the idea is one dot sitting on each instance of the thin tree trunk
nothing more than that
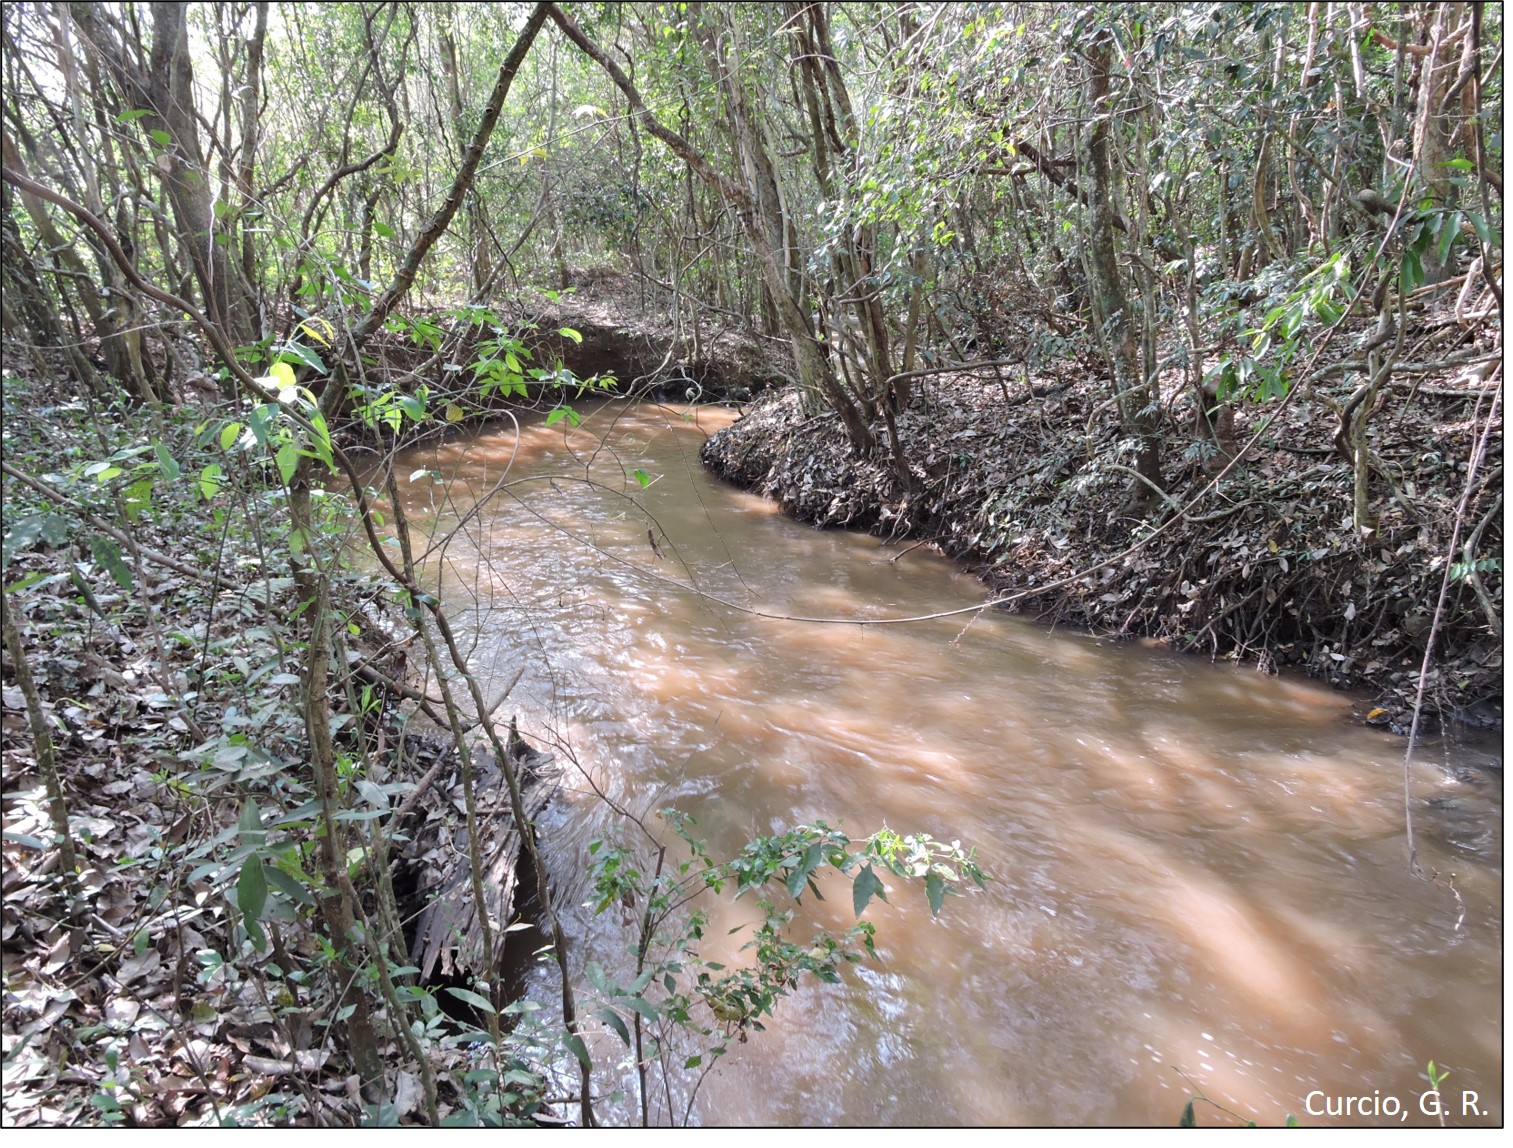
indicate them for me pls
(42, 746)
(166, 90)
(336, 909)
(252, 95)
(1136, 400)
(817, 379)
(1435, 127)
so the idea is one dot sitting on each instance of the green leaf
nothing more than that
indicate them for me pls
(808, 863)
(21, 536)
(249, 823)
(287, 459)
(863, 889)
(138, 497)
(229, 434)
(1411, 274)
(563, 412)
(108, 555)
(596, 977)
(381, 1116)
(283, 373)
(291, 887)
(613, 1019)
(257, 421)
(300, 353)
(210, 481)
(54, 529)
(642, 478)
(163, 138)
(101, 472)
(469, 997)
(322, 438)
(383, 230)
(132, 116)
(1449, 232)
(29, 581)
(252, 888)
(575, 1044)
(167, 464)
(76, 576)
(643, 1006)
(935, 890)
(569, 333)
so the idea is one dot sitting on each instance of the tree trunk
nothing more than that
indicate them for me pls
(166, 90)
(756, 205)
(1436, 125)
(23, 285)
(336, 910)
(1138, 411)
(170, 94)
(252, 95)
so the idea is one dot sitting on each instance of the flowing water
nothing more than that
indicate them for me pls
(1200, 880)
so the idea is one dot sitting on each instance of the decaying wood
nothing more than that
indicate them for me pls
(449, 933)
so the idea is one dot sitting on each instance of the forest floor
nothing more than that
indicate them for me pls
(1027, 480)
(146, 574)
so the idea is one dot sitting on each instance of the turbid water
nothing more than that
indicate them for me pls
(1200, 872)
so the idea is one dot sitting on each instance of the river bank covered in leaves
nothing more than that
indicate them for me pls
(164, 963)
(1262, 564)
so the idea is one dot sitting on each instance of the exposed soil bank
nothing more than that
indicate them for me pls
(1030, 487)
(656, 352)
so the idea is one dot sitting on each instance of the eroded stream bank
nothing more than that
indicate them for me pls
(1198, 868)
(1266, 569)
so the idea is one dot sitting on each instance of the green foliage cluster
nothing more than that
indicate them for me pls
(684, 995)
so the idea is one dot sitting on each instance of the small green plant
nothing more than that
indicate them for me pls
(111, 1113)
(268, 427)
(676, 996)
(1437, 1077)
(1461, 571)
(1190, 1119)
(1324, 294)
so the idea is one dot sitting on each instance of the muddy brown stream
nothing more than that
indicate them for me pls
(1200, 873)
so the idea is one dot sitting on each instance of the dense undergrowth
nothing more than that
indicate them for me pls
(146, 577)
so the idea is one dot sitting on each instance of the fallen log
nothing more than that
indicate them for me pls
(449, 931)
